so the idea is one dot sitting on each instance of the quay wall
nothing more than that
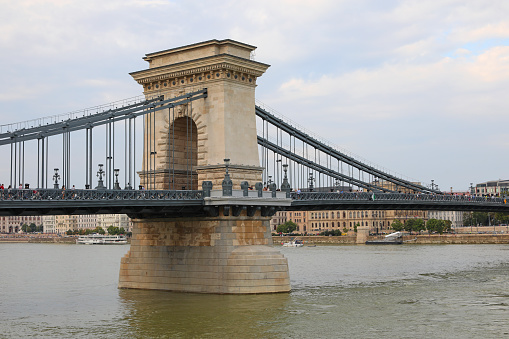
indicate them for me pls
(315, 240)
(36, 239)
(410, 239)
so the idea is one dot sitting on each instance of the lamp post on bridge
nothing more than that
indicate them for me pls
(278, 161)
(285, 186)
(56, 176)
(269, 181)
(100, 182)
(117, 185)
(336, 184)
(311, 181)
(227, 183)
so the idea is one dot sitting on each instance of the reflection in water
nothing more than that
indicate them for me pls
(155, 314)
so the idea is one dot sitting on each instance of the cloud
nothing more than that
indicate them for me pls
(395, 81)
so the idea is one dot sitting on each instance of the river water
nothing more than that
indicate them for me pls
(408, 291)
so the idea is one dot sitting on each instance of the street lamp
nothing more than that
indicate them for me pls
(56, 176)
(100, 182)
(116, 186)
(227, 183)
(278, 162)
(310, 181)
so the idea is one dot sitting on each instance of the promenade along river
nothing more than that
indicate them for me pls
(407, 291)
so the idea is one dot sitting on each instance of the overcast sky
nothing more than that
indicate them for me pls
(418, 87)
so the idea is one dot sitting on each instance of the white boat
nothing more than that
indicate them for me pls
(395, 238)
(294, 243)
(99, 239)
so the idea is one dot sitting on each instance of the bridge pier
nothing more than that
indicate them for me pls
(362, 234)
(224, 254)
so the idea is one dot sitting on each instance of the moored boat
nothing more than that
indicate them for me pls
(99, 239)
(294, 243)
(395, 238)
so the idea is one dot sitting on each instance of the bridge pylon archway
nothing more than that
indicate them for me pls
(225, 120)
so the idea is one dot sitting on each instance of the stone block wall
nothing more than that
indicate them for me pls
(204, 255)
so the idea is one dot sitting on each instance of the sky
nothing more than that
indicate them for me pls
(416, 87)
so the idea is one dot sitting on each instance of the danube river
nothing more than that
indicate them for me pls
(407, 291)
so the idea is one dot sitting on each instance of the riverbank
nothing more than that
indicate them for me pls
(308, 240)
(409, 239)
(36, 238)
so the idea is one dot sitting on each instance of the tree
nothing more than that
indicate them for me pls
(438, 226)
(287, 227)
(397, 225)
(33, 227)
(113, 230)
(98, 230)
(447, 226)
(416, 225)
(432, 225)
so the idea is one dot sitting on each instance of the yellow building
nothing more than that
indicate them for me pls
(315, 222)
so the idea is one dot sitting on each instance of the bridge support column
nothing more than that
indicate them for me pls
(362, 234)
(224, 255)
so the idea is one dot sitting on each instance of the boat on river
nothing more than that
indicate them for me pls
(395, 238)
(100, 239)
(294, 243)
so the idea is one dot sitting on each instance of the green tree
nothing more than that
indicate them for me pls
(98, 230)
(287, 227)
(113, 230)
(415, 225)
(397, 225)
(432, 225)
(447, 225)
(33, 227)
(438, 226)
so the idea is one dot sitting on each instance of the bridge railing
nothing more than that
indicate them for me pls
(99, 195)
(317, 196)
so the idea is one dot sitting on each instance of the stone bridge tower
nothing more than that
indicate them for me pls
(202, 133)
(227, 246)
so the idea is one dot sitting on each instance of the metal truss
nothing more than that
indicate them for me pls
(394, 201)
(98, 119)
(296, 133)
(97, 195)
(317, 167)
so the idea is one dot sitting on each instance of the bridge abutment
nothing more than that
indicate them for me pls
(224, 255)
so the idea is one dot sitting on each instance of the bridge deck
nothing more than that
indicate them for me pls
(192, 203)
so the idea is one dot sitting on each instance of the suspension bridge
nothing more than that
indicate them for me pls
(201, 169)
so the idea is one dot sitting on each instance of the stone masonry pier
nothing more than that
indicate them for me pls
(228, 248)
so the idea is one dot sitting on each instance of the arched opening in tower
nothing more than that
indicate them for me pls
(183, 154)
